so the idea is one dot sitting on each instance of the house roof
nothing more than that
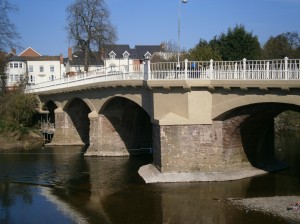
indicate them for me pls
(138, 52)
(30, 52)
(143, 49)
(78, 59)
(36, 58)
(118, 49)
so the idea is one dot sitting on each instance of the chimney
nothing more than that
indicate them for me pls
(13, 50)
(102, 53)
(163, 46)
(61, 59)
(70, 53)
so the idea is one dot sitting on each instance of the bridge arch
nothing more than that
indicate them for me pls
(137, 99)
(250, 129)
(236, 102)
(51, 106)
(127, 123)
(76, 118)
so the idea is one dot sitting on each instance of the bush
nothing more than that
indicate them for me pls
(17, 112)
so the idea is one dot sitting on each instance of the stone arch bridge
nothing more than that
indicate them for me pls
(207, 121)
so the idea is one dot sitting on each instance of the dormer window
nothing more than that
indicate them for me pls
(112, 55)
(147, 55)
(126, 55)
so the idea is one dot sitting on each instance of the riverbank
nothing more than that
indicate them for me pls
(280, 206)
(25, 142)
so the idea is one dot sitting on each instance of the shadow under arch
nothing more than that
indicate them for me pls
(131, 122)
(78, 111)
(51, 107)
(254, 125)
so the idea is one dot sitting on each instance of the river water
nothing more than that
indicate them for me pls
(60, 185)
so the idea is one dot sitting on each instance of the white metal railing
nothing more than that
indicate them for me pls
(280, 69)
(228, 70)
(84, 78)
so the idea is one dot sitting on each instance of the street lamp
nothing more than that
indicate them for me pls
(180, 1)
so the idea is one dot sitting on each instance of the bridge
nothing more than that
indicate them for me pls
(201, 120)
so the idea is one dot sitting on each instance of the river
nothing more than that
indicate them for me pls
(60, 185)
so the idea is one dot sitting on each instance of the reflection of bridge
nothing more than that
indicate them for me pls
(201, 117)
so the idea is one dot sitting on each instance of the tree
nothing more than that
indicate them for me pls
(203, 52)
(237, 44)
(283, 45)
(8, 33)
(3, 76)
(89, 26)
(17, 111)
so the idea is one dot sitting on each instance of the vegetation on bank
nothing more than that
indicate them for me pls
(18, 114)
(288, 120)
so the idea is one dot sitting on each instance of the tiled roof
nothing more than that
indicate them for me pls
(118, 49)
(78, 59)
(37, 58)
(143, 49)
(135, 53)
(30, 52)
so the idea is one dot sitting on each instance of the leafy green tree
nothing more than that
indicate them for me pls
(17, 110)
(283, 45)
(237, 44)
(203, 52)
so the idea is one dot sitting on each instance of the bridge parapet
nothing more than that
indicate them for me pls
(244, 70)
(228, 70)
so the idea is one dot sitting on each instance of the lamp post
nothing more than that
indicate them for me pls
(178, 53)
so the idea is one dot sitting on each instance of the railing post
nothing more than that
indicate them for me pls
(244, 67)
(268, 70)
(147, 70)
(123, 73)
(286, 67)
(211, 68)
(235, 71)
(185, 69)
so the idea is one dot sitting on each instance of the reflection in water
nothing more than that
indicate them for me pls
(61, 185)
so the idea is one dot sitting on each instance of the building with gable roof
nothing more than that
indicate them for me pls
(34, 68)
(114, 58)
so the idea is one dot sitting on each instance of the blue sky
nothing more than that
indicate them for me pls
(41, 23)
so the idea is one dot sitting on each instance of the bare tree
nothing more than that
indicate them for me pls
(8, 38)
(3, 76)
(8, 32)
(89, 26)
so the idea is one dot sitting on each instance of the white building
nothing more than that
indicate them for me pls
(35, 67)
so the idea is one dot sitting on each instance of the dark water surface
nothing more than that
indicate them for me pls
(60, 185)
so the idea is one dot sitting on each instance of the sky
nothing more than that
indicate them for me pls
(42, 23)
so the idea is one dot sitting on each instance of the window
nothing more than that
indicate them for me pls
(30, 68)
(20, 65)
(126, 55)
(126, 68)
(41, 68)
(16, 65)
(51, 68)
(112, 55)
(31, 78)
(11, 65)
(147, 55)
